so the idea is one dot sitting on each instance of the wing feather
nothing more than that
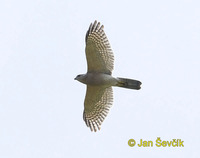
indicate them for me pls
(99, 54)
(98, 102)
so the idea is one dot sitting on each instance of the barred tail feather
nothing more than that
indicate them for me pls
(128, 83)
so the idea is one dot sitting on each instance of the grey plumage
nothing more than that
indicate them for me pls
(128, 83)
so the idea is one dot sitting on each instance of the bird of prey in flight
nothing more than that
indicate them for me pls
(99, 80)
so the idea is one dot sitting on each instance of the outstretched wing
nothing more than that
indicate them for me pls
(98, 101)
(99, 54)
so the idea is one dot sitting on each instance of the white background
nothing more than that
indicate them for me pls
(42, 47)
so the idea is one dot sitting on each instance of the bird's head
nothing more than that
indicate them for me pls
(80, 78)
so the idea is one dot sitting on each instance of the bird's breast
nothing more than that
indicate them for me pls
(100, 79)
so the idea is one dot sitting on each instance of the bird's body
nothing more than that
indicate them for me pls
(99, 79)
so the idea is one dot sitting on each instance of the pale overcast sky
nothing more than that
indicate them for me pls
(42, 47)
